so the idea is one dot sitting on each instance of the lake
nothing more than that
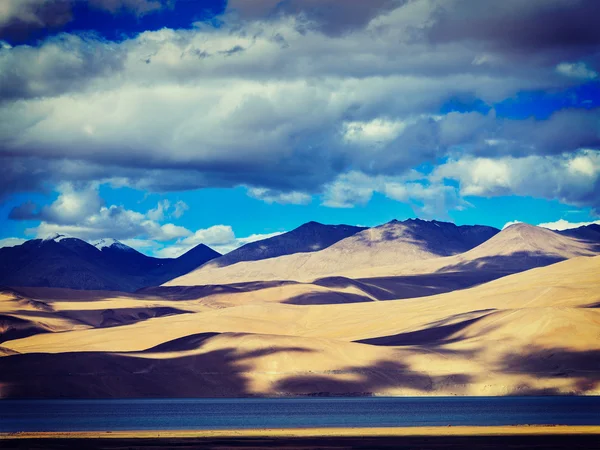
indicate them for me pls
(181, 414)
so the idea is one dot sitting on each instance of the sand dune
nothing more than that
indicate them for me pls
(372, 253)
(68, 310)
(532, 332)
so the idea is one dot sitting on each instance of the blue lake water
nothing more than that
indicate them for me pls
(173, 414)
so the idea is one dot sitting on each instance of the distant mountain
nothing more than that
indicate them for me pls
(516, 248)
(62, 261)
(521, 246)
(587, 233)
(392, 243)
(310, 237)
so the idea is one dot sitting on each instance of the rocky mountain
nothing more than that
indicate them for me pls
(310, 237)
(62, 261)
(587, 233)
(516, 248)
(389, 244)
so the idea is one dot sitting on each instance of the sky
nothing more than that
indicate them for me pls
(169, 123)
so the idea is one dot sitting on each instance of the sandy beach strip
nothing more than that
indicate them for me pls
(316, 432)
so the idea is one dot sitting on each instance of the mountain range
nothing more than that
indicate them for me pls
(310, 252)
(414, 247)
(67, 262)
(392, 243)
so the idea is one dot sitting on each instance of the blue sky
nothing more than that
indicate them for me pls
(166, 123)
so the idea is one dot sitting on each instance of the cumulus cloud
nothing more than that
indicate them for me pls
(563, 224)
(81, 212)
(512, 222)
(220, 238)
(71, 206)
(284, 198)
(295, 96)
(179, 209)
(431, 200)
(158, 213)
(11, 242)
(570, 178)
(576, 70)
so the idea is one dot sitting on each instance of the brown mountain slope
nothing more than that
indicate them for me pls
(516, 248)
(392, 243)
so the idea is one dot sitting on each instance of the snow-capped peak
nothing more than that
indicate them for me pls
(57, 237)
(110, 242)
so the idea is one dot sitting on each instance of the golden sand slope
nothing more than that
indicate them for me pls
(518, 247)
(532, 332)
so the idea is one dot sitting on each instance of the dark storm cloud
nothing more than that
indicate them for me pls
(535, 28)
(332, 16)
(25, 211)
(19, 19)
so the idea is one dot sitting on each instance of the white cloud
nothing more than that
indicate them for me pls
(158, 213)
(82, 213)
(11, 242)
(576, 70)
(349, 190)
(284, 198)
(513, 222)
(145, 246)
(563, 224)
(569, 178)
(374, 132)
(72, 204)
(288, 103)
(179, 209)
(427, 199)
(220, 238)
(291, 108)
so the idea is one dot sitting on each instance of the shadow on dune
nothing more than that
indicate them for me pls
(380, 288)
(30, 323)
(453, 277)
(434, 335)
(17, 328)
(218, 373)
(327, 298)
(186, 343)
(581, 366)
(382, 375)
(117, 317)
(411, 286)
(198, 292)
(503, 265)
(50, 294)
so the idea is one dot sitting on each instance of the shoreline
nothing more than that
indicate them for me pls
(358, 432)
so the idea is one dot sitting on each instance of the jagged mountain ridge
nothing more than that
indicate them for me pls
(392, 243)
(309, 237)
(62, 261)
